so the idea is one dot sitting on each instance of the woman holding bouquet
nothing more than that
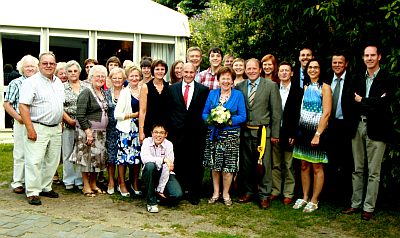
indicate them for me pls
(224, 111)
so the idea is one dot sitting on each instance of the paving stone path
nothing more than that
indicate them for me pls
(24, 224)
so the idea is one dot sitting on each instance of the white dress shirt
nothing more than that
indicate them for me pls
(191, 90)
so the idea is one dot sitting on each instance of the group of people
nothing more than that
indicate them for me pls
(244, 120)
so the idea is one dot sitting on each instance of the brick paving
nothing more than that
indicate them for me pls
(24, 224)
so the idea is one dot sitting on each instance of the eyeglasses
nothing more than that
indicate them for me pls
(99, 76)
(48, 64)
(89, 66)
(73, 71)
(159, 132)
(313, 67)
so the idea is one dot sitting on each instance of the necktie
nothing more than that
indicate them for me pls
(335, 97)
(186, 94)
(252, 93)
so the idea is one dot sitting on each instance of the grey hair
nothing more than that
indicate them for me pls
(71, 63)
(47, 53)
(60, 65)
(20, 64)
(97, 68)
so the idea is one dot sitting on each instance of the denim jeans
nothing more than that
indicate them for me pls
(150, 176)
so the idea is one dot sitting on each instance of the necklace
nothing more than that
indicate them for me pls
(224, 97)
(134, 91)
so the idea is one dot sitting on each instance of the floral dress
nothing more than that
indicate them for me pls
(128, 143)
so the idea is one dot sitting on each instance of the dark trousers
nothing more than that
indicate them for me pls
(339, 169)
(150, 177)
(188, 151)
(249, 181)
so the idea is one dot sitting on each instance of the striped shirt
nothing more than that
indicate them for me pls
(12, 93)
(45, 98)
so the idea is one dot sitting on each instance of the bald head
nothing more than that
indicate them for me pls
(189, 72)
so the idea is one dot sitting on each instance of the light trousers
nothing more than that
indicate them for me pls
(18, 155)
(282, 169)
(71, 176)
(363, 147)
(44, 157)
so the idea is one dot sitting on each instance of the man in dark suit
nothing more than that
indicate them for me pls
(300, 77)
(264, 110)
(187, 131)
(371, 128)
(340, 156)
(283, 180)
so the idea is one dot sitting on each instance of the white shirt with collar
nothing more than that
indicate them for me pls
(284, 91)
(339, 112)
(191, 90)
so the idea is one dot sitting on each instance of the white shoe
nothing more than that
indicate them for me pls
(80, 187)
(137, 192)
(152, 208)
(69, 187)
(110, 191)
(127, 194)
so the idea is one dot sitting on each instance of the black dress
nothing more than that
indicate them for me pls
(157, 107)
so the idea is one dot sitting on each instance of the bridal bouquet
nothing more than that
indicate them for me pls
(219, 116)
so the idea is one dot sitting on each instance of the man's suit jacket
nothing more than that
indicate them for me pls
(296, 77)
(376, 107)
(187, 121)
(347, 99)
(291, 115)
(266, 108)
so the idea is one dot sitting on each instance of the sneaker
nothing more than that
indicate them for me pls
(152, 208)
(80, 187)
(34, 200)
(49, 194)
(69, 187)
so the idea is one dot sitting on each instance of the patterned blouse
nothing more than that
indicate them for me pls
(70, 99)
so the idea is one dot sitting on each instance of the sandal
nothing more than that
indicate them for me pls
(213, 200)
(310, 207)
(228, 201)
(98, 190)
(299, 204)
(88, 193)
(56, 180)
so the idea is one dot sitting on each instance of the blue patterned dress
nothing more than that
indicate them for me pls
(310, 115)
(128, 143)
(112, 132)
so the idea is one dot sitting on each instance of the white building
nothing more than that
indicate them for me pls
(85, 29)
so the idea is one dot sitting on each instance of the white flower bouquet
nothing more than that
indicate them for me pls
(219, 116)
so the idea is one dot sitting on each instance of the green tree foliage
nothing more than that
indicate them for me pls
(187, 7)
(210, 28)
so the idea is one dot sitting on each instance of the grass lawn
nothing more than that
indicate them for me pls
(278, 221)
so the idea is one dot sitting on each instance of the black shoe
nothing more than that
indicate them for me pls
(194, 200)
(34, 200)
(49, 194)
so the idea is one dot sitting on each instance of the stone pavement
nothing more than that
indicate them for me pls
(24, 224)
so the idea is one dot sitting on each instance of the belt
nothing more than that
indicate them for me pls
(46, 124)
(253, 127)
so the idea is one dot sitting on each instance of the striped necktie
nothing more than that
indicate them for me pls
(335, 97)
(252, 93)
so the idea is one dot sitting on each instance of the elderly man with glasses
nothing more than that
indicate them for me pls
(41, 107)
